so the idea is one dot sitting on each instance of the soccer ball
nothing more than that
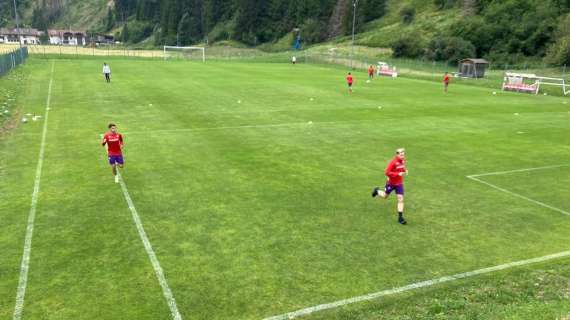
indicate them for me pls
(24, 120)
(367, 81)
(494, 92)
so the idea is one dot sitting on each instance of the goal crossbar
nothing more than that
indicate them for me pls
(186, 48)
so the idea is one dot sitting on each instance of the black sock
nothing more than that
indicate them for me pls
(400, 215)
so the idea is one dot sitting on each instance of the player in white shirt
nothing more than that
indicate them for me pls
(107, 72)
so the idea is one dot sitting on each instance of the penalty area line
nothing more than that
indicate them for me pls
(168, 296)
(417, 285)
(520, 196)
(518, 170)
(25, 266)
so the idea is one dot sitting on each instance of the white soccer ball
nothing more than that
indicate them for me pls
(24, 120)
(516, 114)
(239, 101)
(310, 122)
(545, 94)
(311, 99)
(494, 92)
(367, 81)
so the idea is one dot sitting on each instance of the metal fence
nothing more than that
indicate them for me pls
(12, 59)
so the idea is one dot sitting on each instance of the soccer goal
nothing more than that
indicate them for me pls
(531, 83)
(173, 52)
(384, 69)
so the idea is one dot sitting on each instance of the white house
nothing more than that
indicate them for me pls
(67, 37)
(32, 36)
(26, 35)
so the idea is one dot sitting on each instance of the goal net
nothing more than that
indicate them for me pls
(188, 53)
(531, 83)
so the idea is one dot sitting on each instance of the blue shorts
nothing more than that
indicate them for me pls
(113, 160)
(398, 188)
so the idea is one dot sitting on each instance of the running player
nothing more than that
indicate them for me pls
(114, 142)
(446, 81)
(107, 72)
(371, 72)
(395, 171)
(349, 81)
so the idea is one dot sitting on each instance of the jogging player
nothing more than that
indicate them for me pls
(395, 172)
(371, 72)
(114, 142)
(446, 81)
(107, 72)
(349, 81)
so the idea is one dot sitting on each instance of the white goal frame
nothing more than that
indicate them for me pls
(186, 48)
(531, 83)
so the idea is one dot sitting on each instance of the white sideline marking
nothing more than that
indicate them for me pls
(519, 170)
(25, 266)
(422, 284)
(519, 196)
(153, 259)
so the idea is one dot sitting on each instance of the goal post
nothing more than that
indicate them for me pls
(184, 52)
(531, 83)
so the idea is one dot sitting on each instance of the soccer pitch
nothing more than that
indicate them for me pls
(253, 182)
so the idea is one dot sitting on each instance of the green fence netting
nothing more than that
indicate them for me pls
(11, 60)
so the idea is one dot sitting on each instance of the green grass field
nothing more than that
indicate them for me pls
(253, 185)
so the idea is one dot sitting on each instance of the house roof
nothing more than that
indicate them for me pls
(23, 31)
(54, 32)
(477, 61)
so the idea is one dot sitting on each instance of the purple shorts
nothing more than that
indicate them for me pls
(390, 187)
(115, 160)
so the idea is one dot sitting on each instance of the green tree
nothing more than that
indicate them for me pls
(110, 21)
(125, 33)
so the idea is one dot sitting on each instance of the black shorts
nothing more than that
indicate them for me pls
(350, 85)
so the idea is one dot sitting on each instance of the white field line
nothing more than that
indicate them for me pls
(289, 124)
(25, 266)
(422, 284)
(152, 256)
(475, 177)
(519, 170)
(519, 196)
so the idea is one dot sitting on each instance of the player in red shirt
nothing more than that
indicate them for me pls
(371, 72)
(114, 142)
(446, 81)
(349, 81)
(395, 172)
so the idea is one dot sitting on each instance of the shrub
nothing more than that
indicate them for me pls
(450, 49)
(559, 52)
(408, 13)
(407, 46)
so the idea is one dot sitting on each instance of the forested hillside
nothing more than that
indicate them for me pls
(501, 30)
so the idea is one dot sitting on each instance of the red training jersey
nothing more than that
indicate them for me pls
(446, 78)
(370, 71)
(349, 79)
(393, 170)
(114, 143)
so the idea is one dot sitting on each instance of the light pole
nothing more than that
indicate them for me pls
(354, 4)
(17, 23)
